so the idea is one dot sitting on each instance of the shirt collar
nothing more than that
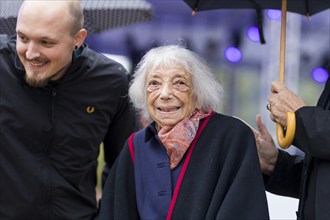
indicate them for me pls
(151, 131)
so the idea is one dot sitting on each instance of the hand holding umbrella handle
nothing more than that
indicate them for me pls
(285, 139)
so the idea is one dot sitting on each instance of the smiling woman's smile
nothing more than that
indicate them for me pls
(168, 109)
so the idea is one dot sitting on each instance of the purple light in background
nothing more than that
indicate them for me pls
(233, 54)
(253, 34)
(274, 14)
(319, 75)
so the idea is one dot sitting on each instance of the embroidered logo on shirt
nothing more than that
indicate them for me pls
(90, 109)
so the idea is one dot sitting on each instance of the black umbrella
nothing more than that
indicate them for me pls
(100, 15)
(304, 7)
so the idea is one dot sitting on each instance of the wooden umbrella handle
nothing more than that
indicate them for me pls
(285, 139)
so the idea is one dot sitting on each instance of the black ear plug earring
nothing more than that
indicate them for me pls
(75, 47)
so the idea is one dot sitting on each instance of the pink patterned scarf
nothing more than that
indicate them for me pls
(177, 139)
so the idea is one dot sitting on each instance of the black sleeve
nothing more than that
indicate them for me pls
(285, 180)
(123, 124)
(247, 191)
(313, 132)
(118, 200)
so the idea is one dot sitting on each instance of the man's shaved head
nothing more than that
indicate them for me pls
(73, 8)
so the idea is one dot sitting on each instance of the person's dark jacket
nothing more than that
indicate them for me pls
(308, 177)
(222, 179)
(50, 137)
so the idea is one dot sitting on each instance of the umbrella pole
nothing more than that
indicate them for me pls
(283, 40)
(285, 141)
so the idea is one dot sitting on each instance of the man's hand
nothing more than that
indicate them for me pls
(283, 100)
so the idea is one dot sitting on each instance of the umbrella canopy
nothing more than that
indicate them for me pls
(100, 15)
(304, 7)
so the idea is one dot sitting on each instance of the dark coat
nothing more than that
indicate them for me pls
(222, 179)
(50, 137)
(308, 177)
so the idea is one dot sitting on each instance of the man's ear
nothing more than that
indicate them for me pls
(80, 36)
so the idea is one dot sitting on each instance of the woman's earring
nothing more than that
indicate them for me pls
(75, 47)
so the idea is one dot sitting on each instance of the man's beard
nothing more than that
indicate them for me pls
(36, 82)
(40, 83)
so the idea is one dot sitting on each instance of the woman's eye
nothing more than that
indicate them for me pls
(153, 85)
(180, 83)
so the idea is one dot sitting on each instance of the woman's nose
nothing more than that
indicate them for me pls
(165, 91)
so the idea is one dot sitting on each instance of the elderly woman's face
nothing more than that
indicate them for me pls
(170, 96)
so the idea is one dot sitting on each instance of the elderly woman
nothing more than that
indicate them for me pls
(190, 162)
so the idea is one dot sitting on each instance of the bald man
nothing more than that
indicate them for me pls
(59, 100)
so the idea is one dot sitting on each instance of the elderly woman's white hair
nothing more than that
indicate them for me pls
(207, 88)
